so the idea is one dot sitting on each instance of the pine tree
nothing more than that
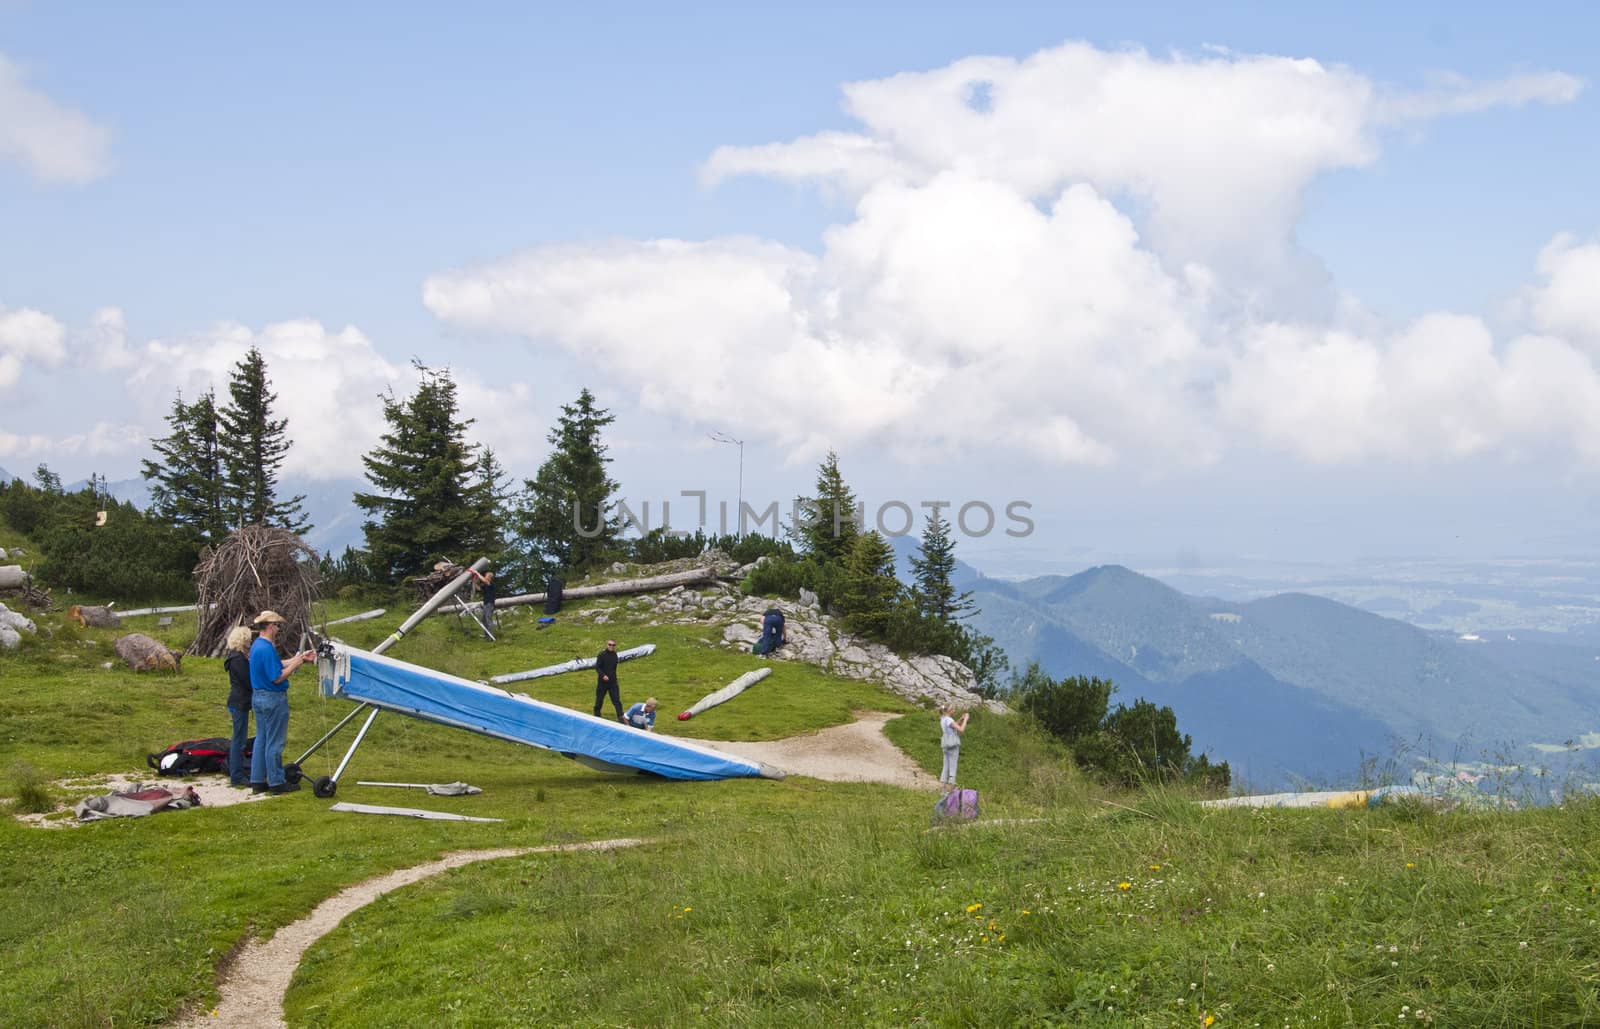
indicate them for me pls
(47, 481)
(869, 591)
(187, 483)
(497, 494)
(831, 533)
(933, 570)
(565, 513)
(429, 502)
(253, 446)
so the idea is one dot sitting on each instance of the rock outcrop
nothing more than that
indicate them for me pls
(12, 626)
(816, 638)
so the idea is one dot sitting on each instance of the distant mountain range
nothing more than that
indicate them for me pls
(1294, 688)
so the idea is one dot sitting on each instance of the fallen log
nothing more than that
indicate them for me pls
(622, 587)
(362, 617)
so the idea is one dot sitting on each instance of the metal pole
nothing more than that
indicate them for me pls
(722, 437)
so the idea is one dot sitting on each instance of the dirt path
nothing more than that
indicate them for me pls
(253, 984)
(253, 987)
(858, 752)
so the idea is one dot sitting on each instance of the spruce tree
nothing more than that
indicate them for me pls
(430, 503)
(933, 571)
(565, 513)
(186, 491)
(869, 590)
(253, 446)
(830, 534)
(497, 494)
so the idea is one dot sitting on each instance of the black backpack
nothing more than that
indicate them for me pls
(195, 757)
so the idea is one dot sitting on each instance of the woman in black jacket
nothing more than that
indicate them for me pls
(237, 663)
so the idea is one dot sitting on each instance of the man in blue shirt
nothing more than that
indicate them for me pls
(269, 699)
(642, 716)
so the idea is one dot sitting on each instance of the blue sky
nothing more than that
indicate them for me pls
(296, 177)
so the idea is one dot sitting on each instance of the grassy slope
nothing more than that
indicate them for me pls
(760, 903)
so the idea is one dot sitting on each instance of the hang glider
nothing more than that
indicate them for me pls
(390, 685)
(378, 683)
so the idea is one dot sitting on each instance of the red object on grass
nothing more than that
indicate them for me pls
(684, 716)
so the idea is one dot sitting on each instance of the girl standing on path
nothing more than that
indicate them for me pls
(950, 741)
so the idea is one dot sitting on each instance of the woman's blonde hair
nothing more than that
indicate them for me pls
(238, 639)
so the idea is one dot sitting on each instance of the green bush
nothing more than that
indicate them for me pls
(779, 577)
(33, 796)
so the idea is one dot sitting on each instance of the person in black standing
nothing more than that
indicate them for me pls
(238, 665)
(605, 684)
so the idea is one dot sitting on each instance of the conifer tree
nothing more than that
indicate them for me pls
(565, 515)
(933, 570)
(497, 494)
(430, 502)
(869, 590)
(831, 532)
(253, 446)
(186, 491)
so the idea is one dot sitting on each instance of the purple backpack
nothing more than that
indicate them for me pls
(957, 805)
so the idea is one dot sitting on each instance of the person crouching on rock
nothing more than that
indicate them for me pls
(269, 698)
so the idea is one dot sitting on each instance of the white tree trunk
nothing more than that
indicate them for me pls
(693, 577)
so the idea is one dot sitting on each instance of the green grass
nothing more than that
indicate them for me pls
(757, 903)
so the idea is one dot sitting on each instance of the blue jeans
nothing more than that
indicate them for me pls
(236, 743)
(272, 732)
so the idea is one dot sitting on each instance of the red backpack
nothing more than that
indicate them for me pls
(195, 757)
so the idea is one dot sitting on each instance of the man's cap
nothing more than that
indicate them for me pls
(269, 616)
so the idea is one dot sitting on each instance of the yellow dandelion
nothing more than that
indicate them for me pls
(983, 939)
(1124, 886)
(1002, 938)
(1026, 911)
(1210, 1019)
(1411, 864)
(973, 907)
(687, 910)
(1155, 868)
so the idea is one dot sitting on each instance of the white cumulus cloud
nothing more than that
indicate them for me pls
(328, 386)
(28, 337)
(1084, 256)
(54, 142)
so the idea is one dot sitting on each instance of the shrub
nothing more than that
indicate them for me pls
(1072, 709)
(777, 577)
(33, 797)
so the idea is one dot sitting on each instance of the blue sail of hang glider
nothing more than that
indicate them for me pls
(408, 689)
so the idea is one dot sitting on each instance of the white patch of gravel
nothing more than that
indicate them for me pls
(858, 752)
